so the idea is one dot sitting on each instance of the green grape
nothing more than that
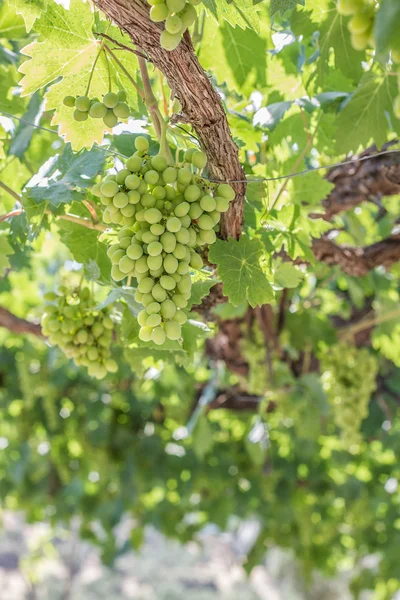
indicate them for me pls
(180, 301)
(80, 116)
(158, 13)
(216, 216)
(188, 16)
(69, 101)
(183, 268)
(134, 163)
(185, 284)
(207, 236)
(120, 200)
(82, 104)
(154, 248)
(359, 24)
(170, 264)
(132, 182)
(183, 236)
(173, 224)
(110, 100)
(141, 265)
(97, 110)
(153, 215)
(141, 144)
(109, 189)
(205, 222)
(134, 251)
(167, 282)
(226, 191)
(149, 237)
(146, 285)
(349, 7)
(121, 95)
(126, 264)
(158, 293)
(153, 320)
(221, 204)
(148, 201)
(180, 317)
(157, 229)
(180, 251)
(145, 334)
(158, 334)
(170, 176)
(199, 159)
(121, 110)
(208, 203)
(147, 299)
(186, 221)
(170, 192)
(133, 197)
(168, 309)
(155, 262)
(359, 41)
(173, 330)
(195, 211)
(185, 175)
(159, 163)
(151, 177)
(159, 193)
(192, 193)
(182, 209)
(110, 120)
(153, 307)
(173, 24)
(175, 6)
(122, 175)
(196, 262)
(142, 316)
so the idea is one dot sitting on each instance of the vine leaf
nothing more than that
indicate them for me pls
(240, 271)
(364, 117)
(30, 10)
(310, 188)
(283, 6)
(5, 251)
(387, 26)
(236, 12)
(67, 53)
(203, 439)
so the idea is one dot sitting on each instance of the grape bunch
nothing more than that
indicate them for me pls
(178, 15)
(361, 24)
(349, 379)
(111, 109)
(82, 332)
(166, 212)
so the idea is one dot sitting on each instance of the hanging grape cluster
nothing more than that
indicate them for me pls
(83, 332)
(361, 25)
(349, 379)
(112, 108)
(178, 15)
(166, 213)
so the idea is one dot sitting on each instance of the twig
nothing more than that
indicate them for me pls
(366, 323)
(104, 35)
(10, 191)
(129, 76)
(92, 209)
(13, 213)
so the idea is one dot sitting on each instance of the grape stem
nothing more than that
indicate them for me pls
(152, 105)
(109, 38)
(129, 76)
(93, 67)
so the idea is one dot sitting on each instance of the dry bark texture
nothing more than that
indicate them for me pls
(17, 325)
(201, 104)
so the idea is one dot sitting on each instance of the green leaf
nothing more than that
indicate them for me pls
(287, 276)
(256, 442)
(310, 188)
(30, 10)
(269, 116)
(11, 26)
(200, 289)
(202, 435)
(5, 251)
(85, 247)
(73, 50)
(235, 12)
(23, 134)
(363, 119)
(240, 271)
(283, 6)
(387, 26)
(66, 177)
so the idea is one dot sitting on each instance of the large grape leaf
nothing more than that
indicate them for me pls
(240, 270)
(11, 25)
(68, 51)
(86, 248)
(387, 26)
(30, 10)
(310, 188)
(364, 117)
(237, 12)
(283, 5)
(236, 56)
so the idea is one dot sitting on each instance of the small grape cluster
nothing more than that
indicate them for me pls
(349, 379)
(361, 24)
(111, 109)
(83, 332)
(166, 212)
(178, 16)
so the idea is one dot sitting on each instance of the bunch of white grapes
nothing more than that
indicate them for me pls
(111, 109)
(82, 332)
(178, 15)
(166, 212)
(349, 379)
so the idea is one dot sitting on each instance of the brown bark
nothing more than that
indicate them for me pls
(17, 325)
(201, 104)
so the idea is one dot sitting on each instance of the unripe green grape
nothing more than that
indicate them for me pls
(117, 274)
(180, 317)
(185, 175)
(207, 236)
(176, 276)
(122, 175)
(192, 193)
(360, 23)
(159, 163)
(156, 273)
(147, 299)
(199, 159)
(153, 320)
(80, 116)
(110, 120)
(175, 6)
(142, 318)
(154, 248)
(170, 264)
(205, 222)
(112, 208)
(140, 215)
(159, 193)
(134, 163)
(170, 175)
(185, 284)
(173, 330)
(134, 251)
(153, 215)
(104, 200)
(195, 210)
(167, 205)
(216, 216)
(111, 365)
(125, 243)
(121, 110)
(157, 229)
(153, 307)
(170, 192)
(109, 188)
(111, 177)
(151, 177)
(69, 101)
(121, 95)
(148, 201)
(125, 232)
(120, 200)
(182, 209)
(183, 236)
(158, 334)
(158, 293)
(173, 24)
(167, 282)
(141, 265)
(126, 264)
(149, 237)
(189, 153)
(158, 13)
(348, 7)
(180, 251)
(180, 301)
(82, 104)
(145, 334)
(221, 204)
(173, 224)
(97, 110)
(168, 309)
(133, 197)
(97, 329)
(146, 285)
(168, 241)
(141, 143)
(138, 296)
(186, 221)
(188, 16)
(108, 324)
(128, 211)
(155, 262)
(107, 217)
(110, 100)
(226, 191)
(208, 203)
(359, 41)
(196, 262)
(183, 268)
